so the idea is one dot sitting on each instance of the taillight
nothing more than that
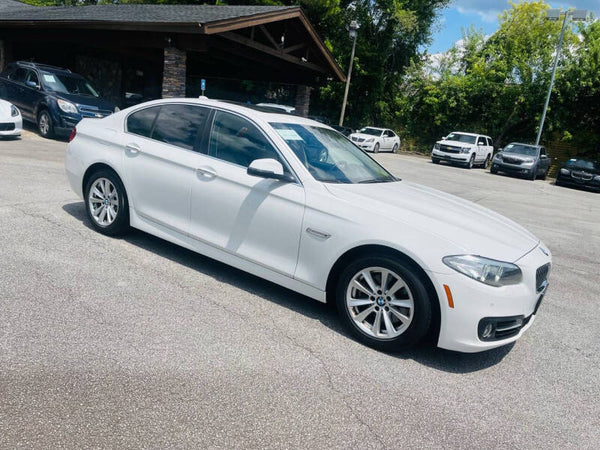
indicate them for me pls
(73, 134)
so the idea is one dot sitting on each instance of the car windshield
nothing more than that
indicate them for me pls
(521, 149)
(329, 156)
(68, 84)
(370, 131)
(459, 137)
(583, 164)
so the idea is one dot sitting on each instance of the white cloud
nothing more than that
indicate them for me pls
(489, 16)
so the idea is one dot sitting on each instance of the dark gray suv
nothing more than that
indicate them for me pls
(527, 160)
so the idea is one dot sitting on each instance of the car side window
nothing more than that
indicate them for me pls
(179, 125)
(32, 76)
(141, 122)
(19, 75)
(489, 142)
(236, 140)
(481, 140)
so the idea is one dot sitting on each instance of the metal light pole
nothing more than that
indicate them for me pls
(554, 14)
(353, 28)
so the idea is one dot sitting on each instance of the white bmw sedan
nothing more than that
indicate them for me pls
(11, 122)
(294, 202)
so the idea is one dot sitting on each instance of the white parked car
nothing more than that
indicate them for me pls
(293, 201)
(466, 149)
(11, 122)
(375, 140)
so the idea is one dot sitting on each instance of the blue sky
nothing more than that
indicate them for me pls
(484, 15)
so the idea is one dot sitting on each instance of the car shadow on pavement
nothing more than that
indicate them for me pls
(427, 353)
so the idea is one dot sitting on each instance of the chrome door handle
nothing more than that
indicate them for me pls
(207, 172)
(133, 148)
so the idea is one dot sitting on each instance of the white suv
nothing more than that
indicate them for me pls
(467, 149)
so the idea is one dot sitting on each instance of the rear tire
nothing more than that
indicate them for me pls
(388, 312)
(106, 203)
(486, 163)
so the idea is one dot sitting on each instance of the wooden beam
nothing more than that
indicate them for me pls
(265, 49)
(293, 48)
(222, 26)
(269, 37)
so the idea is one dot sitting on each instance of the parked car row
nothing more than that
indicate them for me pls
(52, 98)
(526, 160)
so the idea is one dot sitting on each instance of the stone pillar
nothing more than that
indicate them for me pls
(302, 100)
(174, 69)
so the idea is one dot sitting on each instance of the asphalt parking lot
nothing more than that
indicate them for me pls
(136, 343)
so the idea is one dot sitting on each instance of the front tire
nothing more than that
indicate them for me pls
(471, 162)
(435, 160)
(532, 176)
(493, 170)
(106, 203)
(45, 125)
(376, 148)
(383, 303)
(395, 149)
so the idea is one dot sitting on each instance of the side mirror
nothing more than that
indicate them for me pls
(543, 156)
(500, 149)
(31, 84)
(443, 138)
(268, 168)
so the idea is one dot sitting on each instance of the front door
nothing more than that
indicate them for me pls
(254, 218)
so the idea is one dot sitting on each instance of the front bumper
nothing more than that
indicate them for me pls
(515, 169)
(12, 126)
(462, 158)
(474, 302)
(574, 182)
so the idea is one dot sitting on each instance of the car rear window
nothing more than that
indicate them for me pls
(141, 122)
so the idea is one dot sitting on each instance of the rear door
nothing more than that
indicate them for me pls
(255, 218)
(160, 160)
(481, 148)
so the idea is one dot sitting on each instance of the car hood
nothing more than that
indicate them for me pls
(455, 143)
(84, 100)
(520, 157)
(363, 136)
(4, 108)
(473, 229)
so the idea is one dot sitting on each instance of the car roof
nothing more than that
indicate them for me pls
(470, 134)
(526, 145)
(44, 67)
(267, 116)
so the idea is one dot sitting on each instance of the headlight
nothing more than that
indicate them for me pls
(67, 107)
(465, 150)
(488, 271)
(528, 160)
(436, 146)
(564, 172)
(117, 109)
(498, 157)
(370, 140)
(597, 178)
(14, 112)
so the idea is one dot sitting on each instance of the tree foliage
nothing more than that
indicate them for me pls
(497, 85)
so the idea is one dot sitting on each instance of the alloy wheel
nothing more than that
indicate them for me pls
(44, 124)
(103, 202)
(380, 303)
